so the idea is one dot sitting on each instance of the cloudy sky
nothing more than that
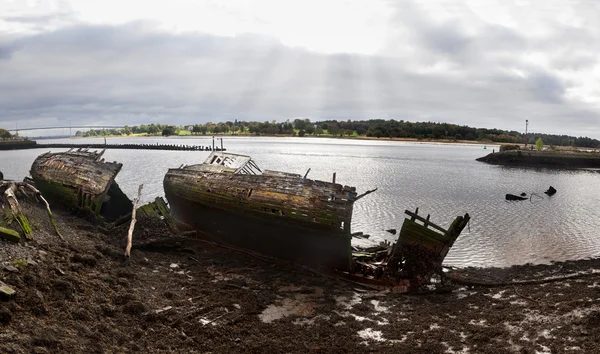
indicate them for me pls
(481, 63)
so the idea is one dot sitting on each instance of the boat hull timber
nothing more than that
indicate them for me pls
(81, 179)
(277, 214)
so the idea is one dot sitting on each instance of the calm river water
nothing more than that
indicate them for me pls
(443, 180)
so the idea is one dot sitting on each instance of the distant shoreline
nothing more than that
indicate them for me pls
(208, 136)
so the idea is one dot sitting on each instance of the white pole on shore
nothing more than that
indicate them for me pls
(526, 124)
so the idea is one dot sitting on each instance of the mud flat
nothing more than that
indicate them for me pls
(548, 159)
(176, 294)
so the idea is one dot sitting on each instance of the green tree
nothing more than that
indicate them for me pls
(142, 129)
(170, 130)
(539, 144)
(4, 134)
(153, 129)
(301, 124)
(334, 129)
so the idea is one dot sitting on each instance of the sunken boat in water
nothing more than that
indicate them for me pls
(81, 179)
(232, 201)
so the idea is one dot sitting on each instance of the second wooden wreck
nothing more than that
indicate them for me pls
(81, 179)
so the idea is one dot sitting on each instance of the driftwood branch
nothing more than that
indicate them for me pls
(366, 193)
(132, 225)
(38, 194)
(51, 217)
(10, 189)
(15, 208)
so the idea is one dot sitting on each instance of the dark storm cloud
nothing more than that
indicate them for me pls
(434, 71)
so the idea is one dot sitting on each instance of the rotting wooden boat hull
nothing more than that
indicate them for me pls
(412, 260)
(268, 235)
(274, 213)
(81, 179)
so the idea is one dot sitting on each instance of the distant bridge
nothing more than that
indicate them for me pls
(69, 127)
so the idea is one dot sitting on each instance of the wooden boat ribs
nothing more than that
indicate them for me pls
(412, 261)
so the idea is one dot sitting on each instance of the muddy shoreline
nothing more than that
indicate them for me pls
(176, 294)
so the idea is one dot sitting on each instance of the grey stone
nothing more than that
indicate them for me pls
(11, 268)
(6, 291)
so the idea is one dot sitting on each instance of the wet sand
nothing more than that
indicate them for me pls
(179, 295)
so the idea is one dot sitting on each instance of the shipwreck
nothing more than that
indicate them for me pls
(231, 201)
(413, 260)
(81, 179)
(286, 215)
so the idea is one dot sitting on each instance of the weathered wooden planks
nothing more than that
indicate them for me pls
(424, 245)
(276, 213)
(290, 196)
(81, 179)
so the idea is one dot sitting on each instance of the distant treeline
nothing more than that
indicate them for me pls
(378, 128)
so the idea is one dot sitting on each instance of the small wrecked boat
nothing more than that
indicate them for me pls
(81, 179)
(285, 215)
(413, 260)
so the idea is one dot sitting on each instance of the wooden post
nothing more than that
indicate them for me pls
(306, 174)
(334, 177)
(413, 216)
(132, 225)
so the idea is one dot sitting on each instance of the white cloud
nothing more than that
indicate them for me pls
(480, 63)
(325, 26)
